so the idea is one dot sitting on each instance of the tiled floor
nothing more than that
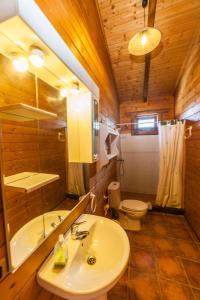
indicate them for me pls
(164, 262)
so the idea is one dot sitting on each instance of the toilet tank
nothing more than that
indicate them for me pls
(114, 196)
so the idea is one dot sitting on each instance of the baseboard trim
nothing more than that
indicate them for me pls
(168, 210)
(72, 196)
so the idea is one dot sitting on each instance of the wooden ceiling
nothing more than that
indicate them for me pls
(179, 22)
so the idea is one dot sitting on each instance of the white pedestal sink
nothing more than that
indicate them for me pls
(79, 280)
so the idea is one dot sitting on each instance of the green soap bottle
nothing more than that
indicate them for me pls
(60, 252)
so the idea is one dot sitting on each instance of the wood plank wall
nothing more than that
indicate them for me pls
(100, 181)
(3, 252)
(187, 93)
(78, 23)
(157, 104)
(187, 106)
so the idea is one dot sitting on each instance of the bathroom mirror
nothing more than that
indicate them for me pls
(34, 164)
(38, 187)
(30, 150)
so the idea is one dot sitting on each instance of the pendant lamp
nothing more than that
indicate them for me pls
(146, 40)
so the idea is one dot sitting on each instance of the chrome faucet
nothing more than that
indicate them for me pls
(76, 234)
(54, 225)
(61, 218)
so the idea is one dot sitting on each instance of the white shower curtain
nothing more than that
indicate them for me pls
(171, 146)
(76, 179)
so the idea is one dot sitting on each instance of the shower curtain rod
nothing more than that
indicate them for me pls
(189, 129)
(136, 123)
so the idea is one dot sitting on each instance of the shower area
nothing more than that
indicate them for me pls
(151, 161)
(138, 171)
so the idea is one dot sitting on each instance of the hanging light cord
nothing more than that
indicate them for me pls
(144, 17)
(144, 5)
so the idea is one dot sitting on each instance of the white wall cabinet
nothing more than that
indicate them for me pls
(82, 128)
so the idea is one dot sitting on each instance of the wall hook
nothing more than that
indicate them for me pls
(189, 129)
(61, 137)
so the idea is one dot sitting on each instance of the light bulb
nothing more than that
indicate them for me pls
(64, 79)
(74, 91)
(20, 63)
(36, 57)
(64, 92)
(73, 78)
(143, 39)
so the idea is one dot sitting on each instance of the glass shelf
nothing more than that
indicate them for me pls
(27, 182)
(22, 112)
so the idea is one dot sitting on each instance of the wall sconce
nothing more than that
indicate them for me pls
(20, 62)
(75, 88)
(36, 57)
(65, 91)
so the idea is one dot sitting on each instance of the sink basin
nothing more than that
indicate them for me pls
(108, 243)
(28, 238)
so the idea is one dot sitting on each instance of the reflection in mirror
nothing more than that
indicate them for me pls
(3, 254)
(83, 141)
(37, 176)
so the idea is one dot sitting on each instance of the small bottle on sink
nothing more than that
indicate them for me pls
(60, 252)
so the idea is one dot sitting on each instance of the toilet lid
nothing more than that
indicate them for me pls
(134, 205)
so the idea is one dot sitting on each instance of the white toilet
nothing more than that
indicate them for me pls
(130, 211)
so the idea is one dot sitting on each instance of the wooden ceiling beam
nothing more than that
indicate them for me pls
(151, 20)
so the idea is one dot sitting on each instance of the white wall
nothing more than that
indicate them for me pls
(141, 160)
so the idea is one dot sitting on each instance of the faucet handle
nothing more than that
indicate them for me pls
(74, 230)
(79, 223)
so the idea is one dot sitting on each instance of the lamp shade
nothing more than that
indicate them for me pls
(144, 41)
